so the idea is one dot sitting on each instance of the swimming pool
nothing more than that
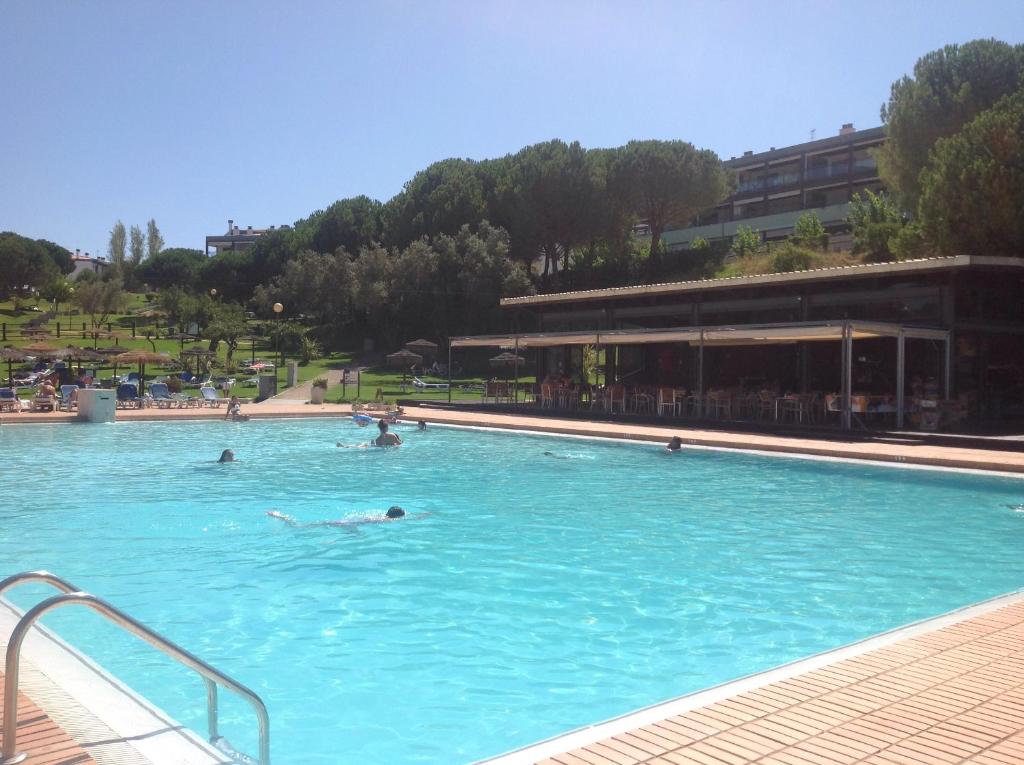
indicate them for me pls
(539, 592)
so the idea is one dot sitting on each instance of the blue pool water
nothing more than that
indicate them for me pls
(539, 593)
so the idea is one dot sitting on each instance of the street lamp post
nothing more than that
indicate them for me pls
(278, 309)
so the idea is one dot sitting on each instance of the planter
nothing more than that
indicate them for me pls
(316, 395)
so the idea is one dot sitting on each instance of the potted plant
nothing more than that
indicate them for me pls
(318, 391)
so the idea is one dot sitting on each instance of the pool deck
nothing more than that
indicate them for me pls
(945, 694)
(835, 446)
(42, 739)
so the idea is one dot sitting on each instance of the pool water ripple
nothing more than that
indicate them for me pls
(551, 582)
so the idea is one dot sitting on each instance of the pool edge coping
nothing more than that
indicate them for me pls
(662, 710)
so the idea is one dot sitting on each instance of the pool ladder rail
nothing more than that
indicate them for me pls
(71, 595)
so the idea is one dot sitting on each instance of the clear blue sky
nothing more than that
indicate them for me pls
(193, 112)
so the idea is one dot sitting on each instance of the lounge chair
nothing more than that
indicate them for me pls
(161, 396)
(210, 397)
(40, 402)
(418, 383)
(128, 396)
(9, 401)
(68, 397)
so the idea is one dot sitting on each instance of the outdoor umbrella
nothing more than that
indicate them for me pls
(197, 354)
(181, 337)
(142, 358)
(39, 348)
(252, 339)
(11, 355)
(74, 353)
(423, 347)
(403, 360)
(113, 352)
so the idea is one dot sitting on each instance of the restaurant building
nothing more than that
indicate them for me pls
(935, 342)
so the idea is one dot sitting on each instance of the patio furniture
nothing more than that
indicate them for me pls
(643, 402)
(421, 385)
(667, 400)
(68, 397)
(617, 398)
(719, 405)
(695, 405)
(210, 397)
(9, 401)
(161, 395)
(547, 396)
(128, 396)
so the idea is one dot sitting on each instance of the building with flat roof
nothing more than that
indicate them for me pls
(775, 187)
(876, 340)
(236, 238)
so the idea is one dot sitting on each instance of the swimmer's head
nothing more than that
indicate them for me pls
(395, 512)
(227, 456)
(421, 425)
(383, 425)
(675, 444)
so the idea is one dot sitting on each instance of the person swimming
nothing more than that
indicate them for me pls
(227, 456)
(386, 438)
(675, 444)
(421, 425)
(393, 513)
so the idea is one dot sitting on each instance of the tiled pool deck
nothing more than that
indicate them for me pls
(952, 694)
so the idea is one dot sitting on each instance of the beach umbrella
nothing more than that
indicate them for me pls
(252, 339)
(423, 347)
(181, 337)
(74, 353)
(11, 355)
(42, 349)
(404, 360)
(142, 358)
(197, 354)
(112, 352)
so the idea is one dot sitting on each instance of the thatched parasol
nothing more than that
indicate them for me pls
(252, 339)
(423, 347)
(42, 349)
(198, 354)
(142, 358)
(74, 353)
(403, 360)
(11, 355)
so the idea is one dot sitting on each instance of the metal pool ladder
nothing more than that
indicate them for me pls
(71, 595)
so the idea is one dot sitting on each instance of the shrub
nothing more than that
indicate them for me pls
(790, 256)
(320, 382)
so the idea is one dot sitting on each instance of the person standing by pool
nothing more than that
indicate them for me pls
(386, 438)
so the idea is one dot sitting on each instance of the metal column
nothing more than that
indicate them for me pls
(947, 382)
(449, 370)
(847, 372)
(901, 377)
(700, 374)
(515, 373)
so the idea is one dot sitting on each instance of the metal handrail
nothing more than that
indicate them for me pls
(211, 676)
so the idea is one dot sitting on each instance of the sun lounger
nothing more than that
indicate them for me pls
(68, 397)
(128, 396)
(420, 384)
(161, 396)
(41, 403)
(9, 401)
(210, 397)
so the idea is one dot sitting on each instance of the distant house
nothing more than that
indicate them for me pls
(86, 262)
(236, 238)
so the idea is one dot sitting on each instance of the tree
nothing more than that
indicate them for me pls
(874, 220)
(228, 326)
(61, 256)
(154, 242)
(438, 200)
(175, 266)
(136, 248)
(950, 87)
(315, 284)
(99, 299)
(972, 198)
(746, 241)
(810, 232)
(57, 291)
(24, 264)
(348, 223)
(116, 248)
(665, 182)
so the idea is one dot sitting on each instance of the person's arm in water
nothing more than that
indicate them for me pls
(281, 516)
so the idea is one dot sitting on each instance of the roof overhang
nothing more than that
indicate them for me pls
(906, 267)
(740, 335)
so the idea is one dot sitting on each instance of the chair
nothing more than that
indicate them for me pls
(421, 385)
(643, 402)
(9, 401)
(765, 404)
(695, 405)
(68, 397)
(720, 404)
(210, 397)
(128, 396)
(667, 400)
(161, 395)
(617, 398)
